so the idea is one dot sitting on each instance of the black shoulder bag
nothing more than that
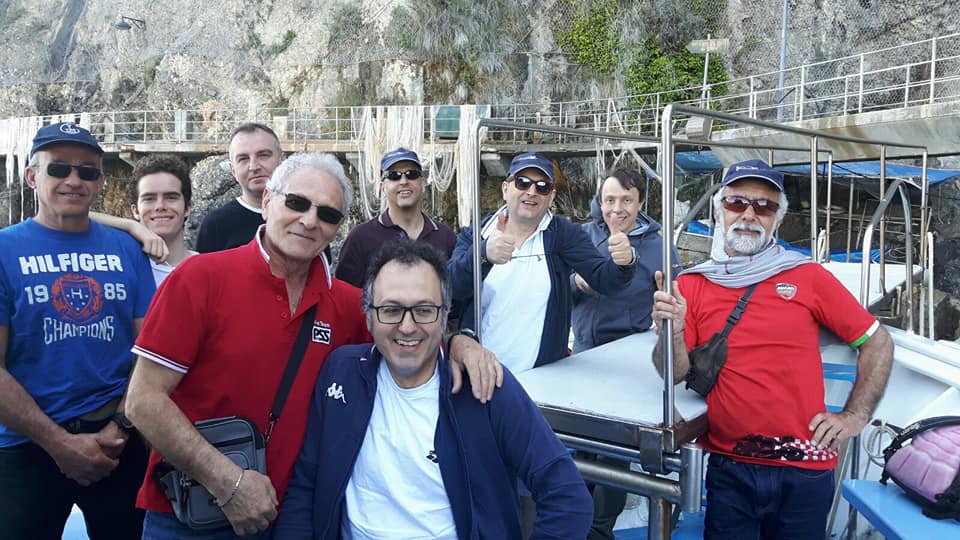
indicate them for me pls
(707, 359)
(237, 438)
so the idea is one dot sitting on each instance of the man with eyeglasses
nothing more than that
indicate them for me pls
(527, 256)
(73, 294)
(391, 453)
(773, 445)
(402, 184)
(217, 338)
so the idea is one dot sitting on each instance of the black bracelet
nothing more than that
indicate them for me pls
(461, 332)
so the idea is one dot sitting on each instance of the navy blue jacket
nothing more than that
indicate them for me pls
(568, 249)
(482, 450)
(599, 319)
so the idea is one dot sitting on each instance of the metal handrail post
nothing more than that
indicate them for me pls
(829, 213)
(924, 211)
(933, 67)
(473, 146)
(860, 89)
(667, 197)
(883, 219)
(800, 90)
(813, 196)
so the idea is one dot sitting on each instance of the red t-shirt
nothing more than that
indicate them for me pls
(224, 321)
(772, 383)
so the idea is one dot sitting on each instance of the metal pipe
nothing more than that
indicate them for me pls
(629, 481)
(691, 477)
(883, 221)
(924, 211)
(473, 145)
(868, 240)
(813, 197)
(608, 450)
(783, 59)
(829, 215)
(929, 240)
(658, 520)
(668, 195)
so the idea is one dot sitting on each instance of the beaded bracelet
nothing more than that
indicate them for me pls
(236, 487)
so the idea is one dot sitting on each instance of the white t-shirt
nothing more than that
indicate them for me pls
(162, 270)
(396, 490)
(514, 302)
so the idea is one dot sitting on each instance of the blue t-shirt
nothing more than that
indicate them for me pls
(69, 301)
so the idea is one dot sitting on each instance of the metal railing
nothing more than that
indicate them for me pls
(922, 72)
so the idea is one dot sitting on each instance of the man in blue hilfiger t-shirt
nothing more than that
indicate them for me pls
(73, 294)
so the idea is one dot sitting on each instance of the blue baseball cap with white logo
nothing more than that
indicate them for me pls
(66, 132)
(393, 157)
(754, 168)
(528, 160)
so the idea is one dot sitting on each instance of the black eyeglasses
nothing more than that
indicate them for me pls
(85, 172)
(761, 207)
(421, 313)
(412, 174)
(301, 204)
(523, 183)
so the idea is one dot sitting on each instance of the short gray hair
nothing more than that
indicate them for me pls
(778, 219)
(325, 163)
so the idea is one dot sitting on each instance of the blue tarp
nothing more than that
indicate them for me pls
(706, 161)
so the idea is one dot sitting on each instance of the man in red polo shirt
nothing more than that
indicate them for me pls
(773, 445)
(216, 341)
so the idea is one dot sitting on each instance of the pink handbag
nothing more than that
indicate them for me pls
(928, 469)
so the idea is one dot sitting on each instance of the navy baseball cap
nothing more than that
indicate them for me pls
(66, 132)
(754, 168)
(393, 157)
(528, 160)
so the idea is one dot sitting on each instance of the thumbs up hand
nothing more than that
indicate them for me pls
(500, 244)
(620, 249)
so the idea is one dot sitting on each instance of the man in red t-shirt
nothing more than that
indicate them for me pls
(218, 336)
(773, 445)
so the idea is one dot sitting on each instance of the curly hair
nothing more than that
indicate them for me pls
(157, 163)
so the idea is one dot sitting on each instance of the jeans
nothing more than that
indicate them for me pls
(749, 502)
(36, 498)
(166, 526)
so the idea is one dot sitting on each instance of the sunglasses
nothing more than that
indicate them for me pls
(412, 174)
(85, 172)
(523, 184)
(761, 207)
(302, 205)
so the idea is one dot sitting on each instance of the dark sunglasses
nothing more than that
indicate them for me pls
(412, 174)
(85, 172)
(300, 204)
(523, 183)
(761, 207)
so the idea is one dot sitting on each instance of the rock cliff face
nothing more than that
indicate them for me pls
(67, 55)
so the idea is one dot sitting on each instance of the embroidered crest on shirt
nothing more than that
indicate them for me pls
(321, 332)
(786, 290)
(335, 391)
(78, 298)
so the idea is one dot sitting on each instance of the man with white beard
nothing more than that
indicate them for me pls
(773, 445)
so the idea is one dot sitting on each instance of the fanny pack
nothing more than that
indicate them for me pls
(237, 438)
(707, 359)
(928, 469)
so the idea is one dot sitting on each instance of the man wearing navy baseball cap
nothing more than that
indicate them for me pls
(527, 256)
(73, 294)
(402, 184)
(772, 444)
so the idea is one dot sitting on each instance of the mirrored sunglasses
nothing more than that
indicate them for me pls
(761, 207)
(523, 184)
(412, 174)
(302, 205)
(85, 172)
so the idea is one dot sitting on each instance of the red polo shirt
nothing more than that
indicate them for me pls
(222, 319)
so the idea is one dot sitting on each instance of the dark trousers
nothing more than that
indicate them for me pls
(36, 498)
(749, 502)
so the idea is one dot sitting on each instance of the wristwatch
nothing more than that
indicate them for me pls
(121, 420)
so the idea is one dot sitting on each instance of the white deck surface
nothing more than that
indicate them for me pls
(849, 275)
(616, 380)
